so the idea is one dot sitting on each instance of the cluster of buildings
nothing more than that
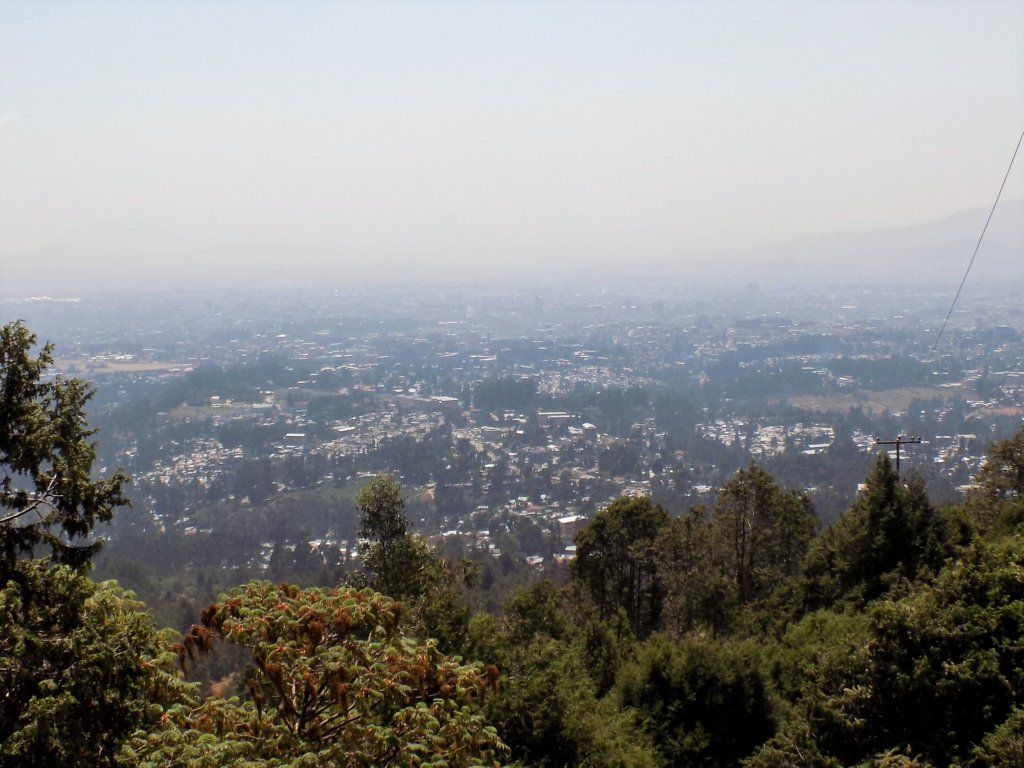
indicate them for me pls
(542, 411)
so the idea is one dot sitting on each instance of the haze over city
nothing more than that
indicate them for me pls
(144, 141)
(543, 384)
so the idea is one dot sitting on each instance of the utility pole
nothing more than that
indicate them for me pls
(899, 441)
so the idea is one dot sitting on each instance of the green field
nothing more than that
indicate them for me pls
(872, 401)
(86, 367)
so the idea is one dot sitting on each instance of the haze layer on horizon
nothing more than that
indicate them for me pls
(472, 132)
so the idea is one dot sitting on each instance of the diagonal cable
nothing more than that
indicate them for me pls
(976, 247)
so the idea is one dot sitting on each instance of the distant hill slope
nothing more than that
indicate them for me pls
(935, 251)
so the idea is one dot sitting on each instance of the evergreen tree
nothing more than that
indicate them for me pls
(548, 707)
(697, 594)
(616, 562)
(391, 554)
(74, 657)
(76, 666)
(49, 501)
(999, 498)
(937, 673)
(1002, 476)
(763, 532)
(891, 532)
(703, 703)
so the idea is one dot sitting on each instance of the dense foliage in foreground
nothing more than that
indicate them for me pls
(333, 681)
(738, 635)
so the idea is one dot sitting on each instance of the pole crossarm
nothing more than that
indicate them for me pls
(898, 442)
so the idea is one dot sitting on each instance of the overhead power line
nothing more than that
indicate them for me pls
(1002, 186)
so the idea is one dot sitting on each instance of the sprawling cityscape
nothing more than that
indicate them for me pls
(511, 416)
(446, 384)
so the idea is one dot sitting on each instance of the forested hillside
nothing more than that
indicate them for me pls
(740, 634)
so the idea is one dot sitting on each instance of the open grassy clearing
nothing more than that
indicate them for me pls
(872, 401)
(86, 367)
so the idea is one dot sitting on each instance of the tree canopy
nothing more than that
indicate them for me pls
(393, 556)
(74, 657)
(1002, 476)
(334, 682)
(76, 662)
(615, 561)
(764, 531)
(735, 636)
(48, 497)
(891, 532)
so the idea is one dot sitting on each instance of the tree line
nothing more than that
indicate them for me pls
(735, 635)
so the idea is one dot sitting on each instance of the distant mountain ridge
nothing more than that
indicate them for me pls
(936, 250)
(930, 249)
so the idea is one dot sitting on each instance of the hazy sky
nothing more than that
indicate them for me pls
(554, 129)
